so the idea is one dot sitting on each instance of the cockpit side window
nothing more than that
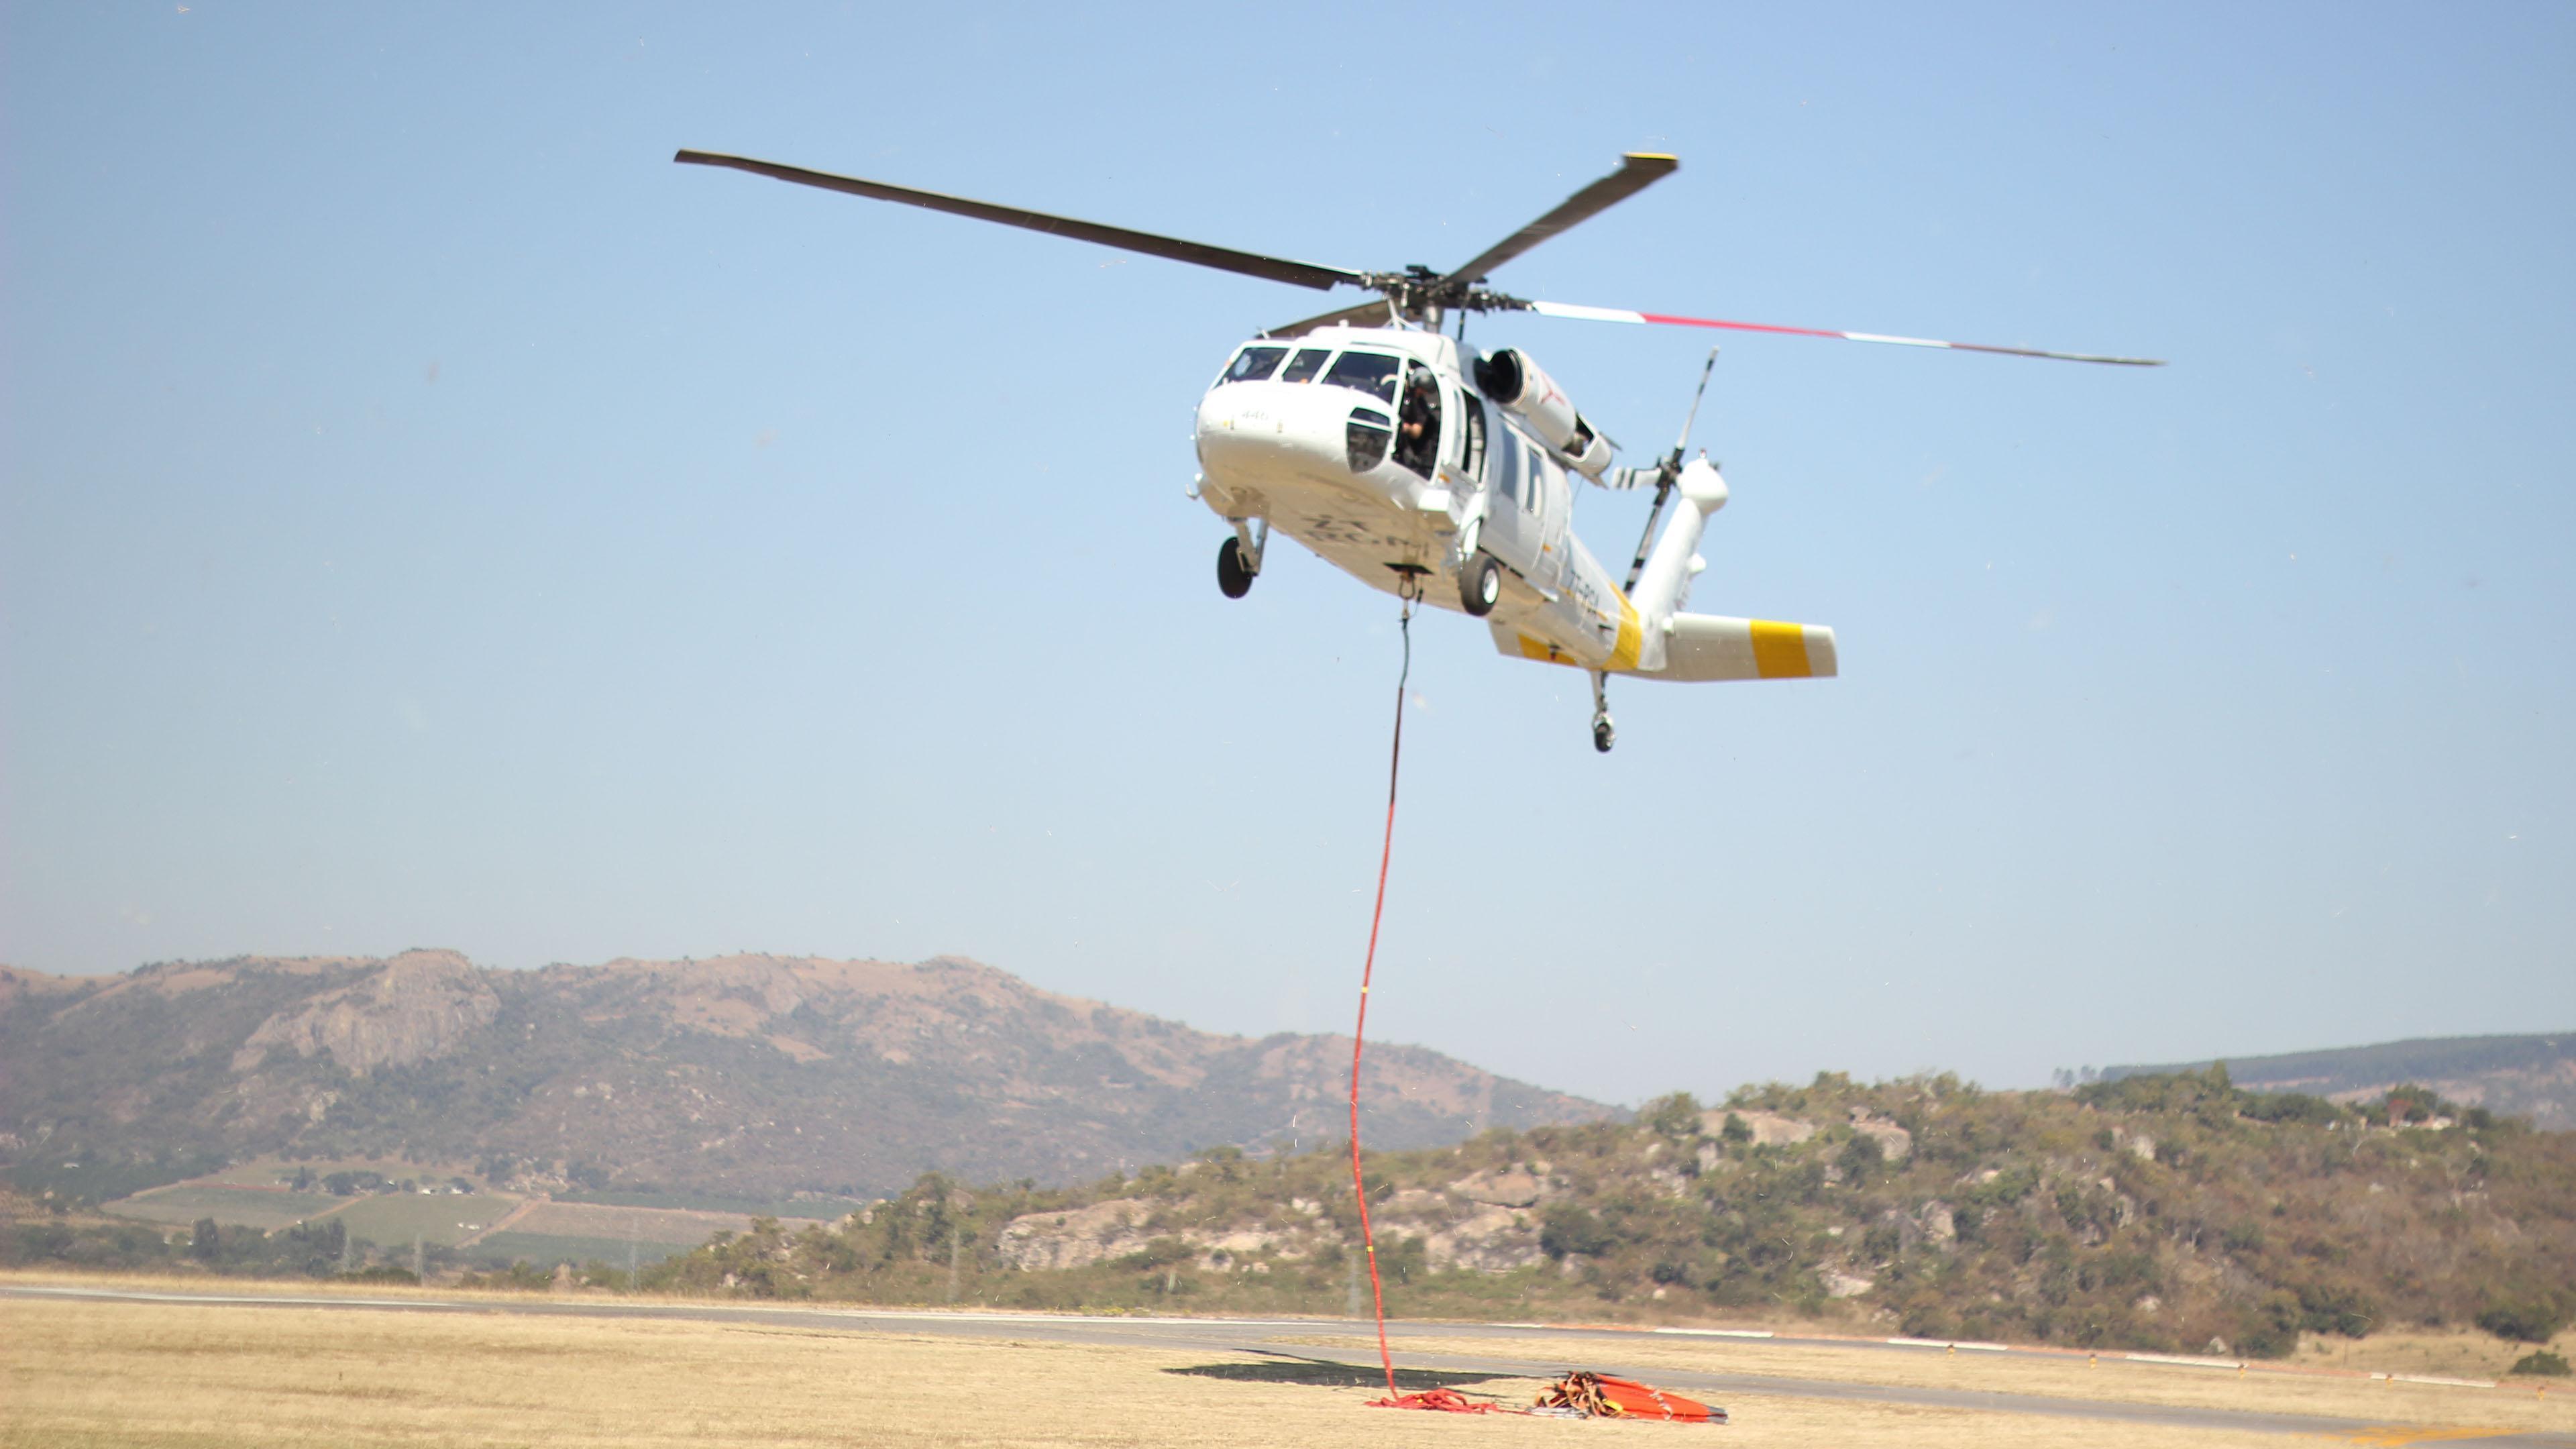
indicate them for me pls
(1253, 364)
(1369, 372)
(1307, 362)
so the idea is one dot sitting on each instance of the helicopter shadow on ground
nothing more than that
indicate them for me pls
(1325, 1373)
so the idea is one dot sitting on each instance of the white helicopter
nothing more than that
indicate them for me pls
(1422, 466)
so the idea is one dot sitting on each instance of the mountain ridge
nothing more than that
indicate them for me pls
(749, 1073)
(2529, 1076)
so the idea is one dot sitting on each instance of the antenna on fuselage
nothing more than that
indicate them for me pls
(1667, 472)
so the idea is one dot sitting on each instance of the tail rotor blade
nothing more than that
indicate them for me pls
(1692, 417)
(1666, 319)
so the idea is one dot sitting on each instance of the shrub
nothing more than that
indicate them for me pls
(2527, 1320)
(1570, 1229)
(2337, 1309)
(2542, 1362)
(1862, 1155)
(2291, 1107)
(2410, 1103)
(2271, 1330)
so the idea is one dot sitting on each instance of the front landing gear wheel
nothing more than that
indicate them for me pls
(1232, 578)
(1603, 736)
(1480, 584)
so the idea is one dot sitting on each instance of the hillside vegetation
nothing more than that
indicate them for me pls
(2171, 1212)
(747, 1077)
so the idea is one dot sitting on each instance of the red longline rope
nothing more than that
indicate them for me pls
(1368, 968)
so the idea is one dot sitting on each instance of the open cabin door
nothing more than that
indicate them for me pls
(1512, 523)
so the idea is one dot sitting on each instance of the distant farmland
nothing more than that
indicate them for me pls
(250, 1207)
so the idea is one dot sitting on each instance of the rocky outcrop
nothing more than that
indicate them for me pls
(1769, 1129)
(1495, 1240)
(1839, 1284)
(419, 1006)
(1487, 1221)
(1894, 1143)
(1509, 1188)
(1076, 1238)
(1107, 1231)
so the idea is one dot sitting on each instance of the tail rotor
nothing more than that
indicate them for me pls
(1666, 472)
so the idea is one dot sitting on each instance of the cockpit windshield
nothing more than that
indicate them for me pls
(1370, 372)
(1253, 364)
(1304, 366)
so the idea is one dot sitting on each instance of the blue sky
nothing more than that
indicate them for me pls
(432, 518)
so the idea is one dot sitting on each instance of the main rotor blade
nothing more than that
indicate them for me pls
(1637, 171)
(1661, 319)
(1250, 264)
(1375, 312)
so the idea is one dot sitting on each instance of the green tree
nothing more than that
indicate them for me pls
(1675, 1117)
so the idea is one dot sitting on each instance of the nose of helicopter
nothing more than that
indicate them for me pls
(1257, 431)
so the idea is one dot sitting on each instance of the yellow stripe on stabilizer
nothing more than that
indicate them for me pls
(1540, 650)
(1632, 637)
(1780, 650)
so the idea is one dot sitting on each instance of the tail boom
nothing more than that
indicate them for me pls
(1708, 647)
(1700, 648)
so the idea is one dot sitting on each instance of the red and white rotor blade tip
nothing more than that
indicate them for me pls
(1663, 319)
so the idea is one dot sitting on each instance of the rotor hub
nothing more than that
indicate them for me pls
(1418, 291)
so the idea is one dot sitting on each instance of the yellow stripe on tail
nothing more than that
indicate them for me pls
(1780, 650)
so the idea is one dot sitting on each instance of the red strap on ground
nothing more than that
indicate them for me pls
(1359, 1030)
(1448, 1401)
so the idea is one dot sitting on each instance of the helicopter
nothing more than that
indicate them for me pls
(1429, 469)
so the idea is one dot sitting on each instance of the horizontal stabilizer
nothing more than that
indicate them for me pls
(1704, 646)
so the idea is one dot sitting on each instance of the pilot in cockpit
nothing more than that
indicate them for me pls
(1418, 420)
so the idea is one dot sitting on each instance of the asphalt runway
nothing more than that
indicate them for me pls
(1265, 1336)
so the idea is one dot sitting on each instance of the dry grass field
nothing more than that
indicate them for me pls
(87, 1375)
(84, 1375)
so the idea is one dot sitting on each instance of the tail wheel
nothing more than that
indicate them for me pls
(1232, 578)
(1480, 584)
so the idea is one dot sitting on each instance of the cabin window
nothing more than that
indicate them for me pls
(1369, 372)
(1471, 445)
(1417, 429)
(1507, 467)
(1364, 438)
(1253, 364)
(1307, 362)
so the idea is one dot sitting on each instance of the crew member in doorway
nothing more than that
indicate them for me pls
(1418, 425)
